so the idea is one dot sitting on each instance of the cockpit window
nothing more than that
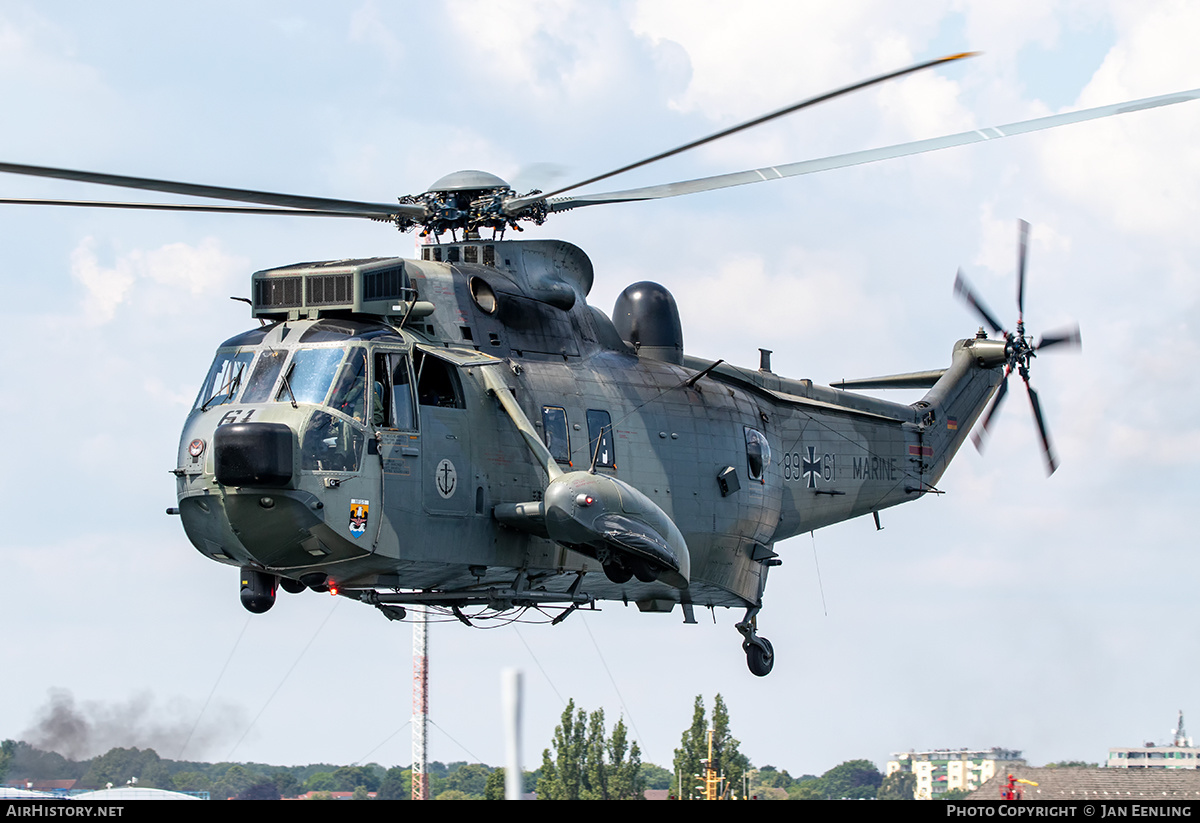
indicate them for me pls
(262, 379)
(329, 330)
(391, 395)
(330, 444)
(310, 375)
(350, 393)
(225, 377)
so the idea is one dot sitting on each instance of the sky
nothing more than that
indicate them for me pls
(1055, 615)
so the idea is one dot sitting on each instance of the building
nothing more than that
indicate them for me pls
(1091, 785)
(940, 770)
(1179, 754)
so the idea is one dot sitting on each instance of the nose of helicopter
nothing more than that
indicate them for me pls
(253, 454)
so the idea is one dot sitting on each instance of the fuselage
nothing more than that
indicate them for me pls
(367, 450)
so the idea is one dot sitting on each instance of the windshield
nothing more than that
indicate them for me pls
(309, 376)
(224, 378)
(262, 379)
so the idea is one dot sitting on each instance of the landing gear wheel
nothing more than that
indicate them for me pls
(291, 586)
(617, 573)
(643, 571)
(760, 659)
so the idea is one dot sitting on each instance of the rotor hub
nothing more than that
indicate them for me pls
(470, 200)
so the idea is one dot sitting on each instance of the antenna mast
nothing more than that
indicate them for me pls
(420, 696)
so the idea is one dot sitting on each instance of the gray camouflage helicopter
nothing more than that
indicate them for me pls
(465, 432)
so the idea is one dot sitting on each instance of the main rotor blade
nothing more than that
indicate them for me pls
(294, 201)
(1069, 337)
(1051, 463)
(963, 290)
(757, 121)
(192, 207)
(1022, 254)
(978, 437)
(741, 178)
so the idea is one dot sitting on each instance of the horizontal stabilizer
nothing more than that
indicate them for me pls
(912, 380)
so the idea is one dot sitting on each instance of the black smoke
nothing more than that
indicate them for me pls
(81, 730)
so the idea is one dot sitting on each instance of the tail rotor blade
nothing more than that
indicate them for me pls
(963, 290)
(1022, 255)
(978, 437)
(1066, 337)
(1051, 463)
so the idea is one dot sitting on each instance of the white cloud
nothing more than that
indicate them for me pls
(548, 49)
(749, 58)
(1138, 172)
(181, 271)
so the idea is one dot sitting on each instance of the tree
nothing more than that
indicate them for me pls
(625, 780)
(263, 790)
(726, 754)
(7, 752)
(321, 782)
(899, 785)
(235, 781)
(347, 778)
(586, 764)
(495, 788)
(396, 785)
(470, 778)
(191, 781)
(693, 750)
(806, 790)
(495, 785)
(561, 776)
(286, 783)
(852, 780)
(654, 776)
(118, 766)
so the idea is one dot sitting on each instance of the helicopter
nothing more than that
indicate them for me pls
(464, 431)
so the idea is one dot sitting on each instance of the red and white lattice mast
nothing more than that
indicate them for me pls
(420, 696)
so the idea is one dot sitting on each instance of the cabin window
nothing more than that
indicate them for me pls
(600, 439)
(437, 382)
(554, 429)
(225, 377)
(758, 454)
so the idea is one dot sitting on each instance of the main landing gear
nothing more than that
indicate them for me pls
(760, 656)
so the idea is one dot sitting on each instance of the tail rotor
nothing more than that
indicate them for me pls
(1019, 348)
